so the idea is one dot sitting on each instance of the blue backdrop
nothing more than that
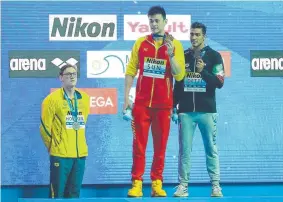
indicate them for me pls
(250, 109)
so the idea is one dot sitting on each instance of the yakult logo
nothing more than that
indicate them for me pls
(136, 26)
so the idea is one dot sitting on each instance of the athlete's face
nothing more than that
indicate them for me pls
(197, 37)
(157, 23)
(69, 77)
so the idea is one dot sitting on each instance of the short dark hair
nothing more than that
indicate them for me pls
(64, 67)
(200, 26)
(157, 10)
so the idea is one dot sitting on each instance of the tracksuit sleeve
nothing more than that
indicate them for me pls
(132, 67)
(47, 115)
(180, 58)
(216, 78)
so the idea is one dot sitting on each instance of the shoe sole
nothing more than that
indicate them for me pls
(141, 195)
(156, 195)
(184, 195)
(216, 195)
(134, 196)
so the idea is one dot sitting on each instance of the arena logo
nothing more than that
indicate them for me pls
(41, 63)
(82, 27)
(136, 26)
(266, 63)
(27, 64)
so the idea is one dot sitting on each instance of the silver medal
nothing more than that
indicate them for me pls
(76, 125)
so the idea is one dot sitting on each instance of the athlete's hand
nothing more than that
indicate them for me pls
(200, 65)
(169, 37)
(169, 43)
(127, 110)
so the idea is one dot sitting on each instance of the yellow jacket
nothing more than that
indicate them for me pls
(56, 130)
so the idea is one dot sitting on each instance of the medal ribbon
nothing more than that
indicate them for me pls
(159, 36)
(74, 110)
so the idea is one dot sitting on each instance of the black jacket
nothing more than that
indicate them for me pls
(203, 83)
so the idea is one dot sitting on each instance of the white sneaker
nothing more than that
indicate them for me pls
(216, 191)
(182, 191)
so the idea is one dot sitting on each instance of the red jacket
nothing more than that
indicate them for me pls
(150, 91)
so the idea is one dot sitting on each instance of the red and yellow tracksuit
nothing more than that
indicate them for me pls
(153, 102)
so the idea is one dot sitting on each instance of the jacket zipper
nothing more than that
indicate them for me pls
(193, 91)
(168, 87)
(77, 143)
(140, 86)
(77, 147)
(151, 94)
(152, 87)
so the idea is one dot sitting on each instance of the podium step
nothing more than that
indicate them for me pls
(166, 199)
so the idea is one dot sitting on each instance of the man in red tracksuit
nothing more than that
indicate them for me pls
(159, 58)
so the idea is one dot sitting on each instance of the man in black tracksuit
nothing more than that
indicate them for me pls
(194, 98)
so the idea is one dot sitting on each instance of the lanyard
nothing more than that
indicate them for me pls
(74, 110)
(159, 36)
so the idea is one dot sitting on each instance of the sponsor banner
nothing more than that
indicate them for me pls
(41, 63)
(102, 100)
(136, 26)
(266, 63)
(226, 57)
(107, 64)
(82, 27)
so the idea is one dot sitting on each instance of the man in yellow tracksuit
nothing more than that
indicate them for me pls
(64, 115)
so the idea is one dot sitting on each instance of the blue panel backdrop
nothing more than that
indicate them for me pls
(250, 109)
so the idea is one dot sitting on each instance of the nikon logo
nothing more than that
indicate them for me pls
(266, 63)
(82, 27)
(71, 114)
(194, 75)
(155, 61)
